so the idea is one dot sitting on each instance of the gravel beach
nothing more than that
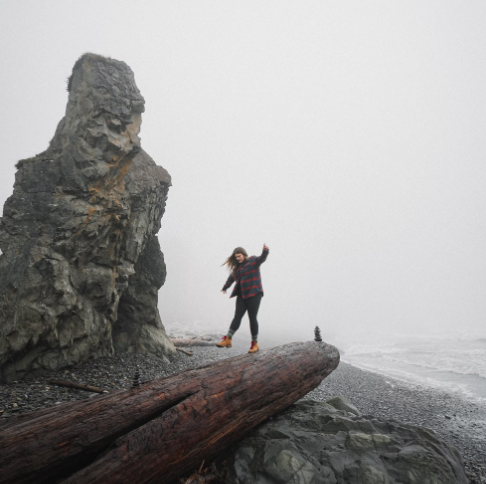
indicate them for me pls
(459, 422)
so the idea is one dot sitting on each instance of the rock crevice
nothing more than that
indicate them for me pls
(81, 264)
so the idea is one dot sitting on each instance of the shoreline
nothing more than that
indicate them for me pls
(469, 387)
(457, 421)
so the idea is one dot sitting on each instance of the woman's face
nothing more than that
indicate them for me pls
(239, 258)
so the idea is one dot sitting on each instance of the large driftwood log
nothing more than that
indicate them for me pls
(165, 427)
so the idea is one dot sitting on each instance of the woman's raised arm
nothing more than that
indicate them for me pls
(261, 259)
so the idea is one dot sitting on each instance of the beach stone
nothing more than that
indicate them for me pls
(313, 442)
(342, 403)
(81, 264)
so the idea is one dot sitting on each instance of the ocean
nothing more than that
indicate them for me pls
(454, 362)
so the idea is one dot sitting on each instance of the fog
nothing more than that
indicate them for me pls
(348, 136)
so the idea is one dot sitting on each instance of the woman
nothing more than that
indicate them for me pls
(245, 271)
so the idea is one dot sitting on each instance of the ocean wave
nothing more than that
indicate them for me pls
(467, 386)
(453, 365)
(466, 358)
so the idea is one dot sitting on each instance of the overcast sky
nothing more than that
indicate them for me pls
(349, 136)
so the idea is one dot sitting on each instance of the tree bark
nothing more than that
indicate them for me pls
(164, 428)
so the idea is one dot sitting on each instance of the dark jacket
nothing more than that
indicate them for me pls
(248, 276)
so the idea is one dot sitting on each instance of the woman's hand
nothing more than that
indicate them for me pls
(223, 291)
(265, 247)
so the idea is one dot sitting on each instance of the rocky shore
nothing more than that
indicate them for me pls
(458, 422)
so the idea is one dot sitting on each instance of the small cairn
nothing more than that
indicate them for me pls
(136, 378)
(317, 333)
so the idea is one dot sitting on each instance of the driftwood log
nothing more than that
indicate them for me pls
(78, 386)
(188, 353)
(192, 342)
(163, 428)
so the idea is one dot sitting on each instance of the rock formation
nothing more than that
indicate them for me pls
(81, 263)
(313, 442)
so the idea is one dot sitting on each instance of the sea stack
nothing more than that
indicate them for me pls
(81, 264)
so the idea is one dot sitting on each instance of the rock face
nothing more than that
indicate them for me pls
(81, 263)
(314, 443)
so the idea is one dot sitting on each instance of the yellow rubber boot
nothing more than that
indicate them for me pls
(224, 343)
(254, 347)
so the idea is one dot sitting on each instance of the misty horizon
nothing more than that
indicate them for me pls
(347, 137)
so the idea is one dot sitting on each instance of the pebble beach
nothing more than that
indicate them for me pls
(459, 422)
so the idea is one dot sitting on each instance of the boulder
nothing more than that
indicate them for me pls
(314, 443)
(81, 265)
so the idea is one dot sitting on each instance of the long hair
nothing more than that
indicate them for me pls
(231, 261)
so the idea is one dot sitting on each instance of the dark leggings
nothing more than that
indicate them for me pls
(250, 304)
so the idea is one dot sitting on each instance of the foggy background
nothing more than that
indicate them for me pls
(348, 136)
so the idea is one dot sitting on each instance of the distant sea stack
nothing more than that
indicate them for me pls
(81, 262)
